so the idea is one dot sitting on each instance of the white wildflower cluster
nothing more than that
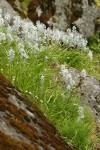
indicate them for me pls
(35, 37)
(70, 37)
(90, 54)
(75, 39)
(7, 17)
(81, 113)
(11, 55)
(39, 34)
(22, 51)
(46, 58)
(68, 79)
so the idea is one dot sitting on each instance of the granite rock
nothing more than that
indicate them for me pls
(81, 13)
(89, 89)
(6, 8)
(84, 14)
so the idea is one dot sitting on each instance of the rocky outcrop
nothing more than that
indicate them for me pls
(59, 14)
(81, 13)
(6, 8)
(88, 88)
(84, 14)
(23, 125)
(88, 23)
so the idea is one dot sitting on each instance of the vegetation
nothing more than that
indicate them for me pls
(24, 5)
(95, 40)
(97, 2)
(36, 60)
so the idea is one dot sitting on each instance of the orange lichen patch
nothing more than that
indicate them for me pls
(9, 143)
(22, 125)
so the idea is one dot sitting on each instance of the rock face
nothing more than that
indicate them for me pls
(7, 8)
(61, 14)
(66, 13)
(42, 10)
(23, 125)
(17, 7)
(82, 13)
(89, 89)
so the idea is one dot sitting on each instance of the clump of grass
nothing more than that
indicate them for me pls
(97, 2)
(94, 43)
(25, 4)
(33, 63)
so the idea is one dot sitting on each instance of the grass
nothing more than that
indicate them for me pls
(97, 2)
(58, 104)
(94, 45)
(95, 40)
(24, 5)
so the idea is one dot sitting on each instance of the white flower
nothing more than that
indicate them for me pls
(68, 87)
(57, 35)
(16, 23)
(1, 21)
(36, 46)
(13, 78)
(30, 93)
(68, 79)
(81, 113)
(2, 36)
(90, 54)
(10, 37)
(39, 11)
(83, 73)
(11, 55)
(46, 58)
(23, 53)
(41, 100)
(20, 45)
(50, 21)
(40, 27)
(9, 29)
(42, 78)
(7, 17)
